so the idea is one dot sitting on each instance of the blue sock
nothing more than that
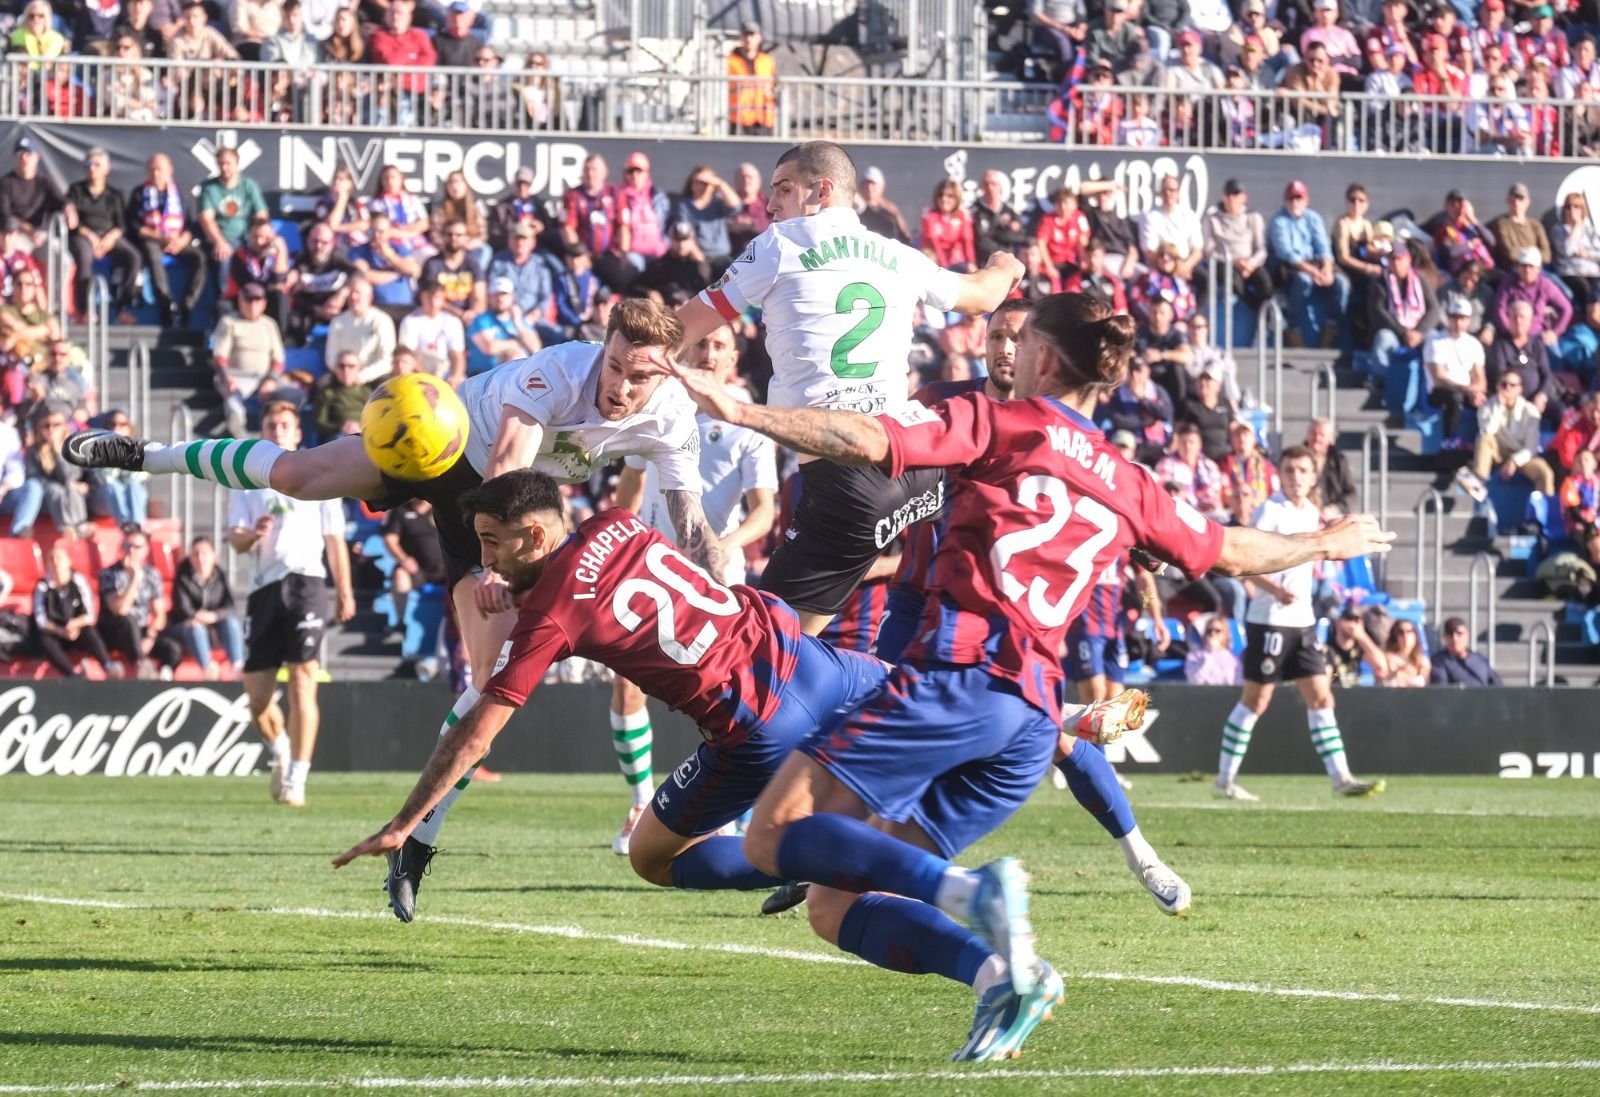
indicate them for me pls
(914, 938)
(840, 852)
(718, 864)
(1094, 783)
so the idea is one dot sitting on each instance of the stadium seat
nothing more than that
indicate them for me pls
(1509, 499)
(85, 556)
(20, 558)
(424, 614)
(289, 232)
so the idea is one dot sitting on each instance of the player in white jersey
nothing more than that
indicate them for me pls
(738, 486)
(564, 411)
(1282, 645)
(838, 302)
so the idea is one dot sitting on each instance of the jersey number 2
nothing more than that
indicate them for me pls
(849, 297)
(1035, 591)
(719, 602)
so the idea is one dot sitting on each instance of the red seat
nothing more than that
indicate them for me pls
(85, 557)
(161, 555)
(19, 557)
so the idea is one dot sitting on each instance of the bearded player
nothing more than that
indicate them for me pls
(966, 725)
(564, 411)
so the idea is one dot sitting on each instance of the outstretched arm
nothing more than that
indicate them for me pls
(984, 289)
(457, 751)
(1248, 551)
(844, 437)
(696, 540)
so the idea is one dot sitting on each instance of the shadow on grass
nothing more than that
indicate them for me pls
(100, 963)
(237, 1042)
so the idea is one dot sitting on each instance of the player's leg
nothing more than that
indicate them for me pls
(305, 720)
(339, 469)
(1263, 668)
(809, 824)
(1317, 690)
(259, 687)
(631, 739)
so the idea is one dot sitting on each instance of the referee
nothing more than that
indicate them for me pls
(293, 545)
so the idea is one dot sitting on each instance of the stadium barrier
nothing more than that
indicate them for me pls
(131, 728)
(286, 160)
(857, 109)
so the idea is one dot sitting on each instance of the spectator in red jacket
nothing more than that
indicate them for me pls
(1579, 431)
(1063, 232)
(947, 229)
(398, 44)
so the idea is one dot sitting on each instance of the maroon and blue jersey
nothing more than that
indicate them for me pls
(855, 626)
(1038, 506)
(618, 593)
(1102, 615)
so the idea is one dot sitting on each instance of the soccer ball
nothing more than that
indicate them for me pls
(414, 427)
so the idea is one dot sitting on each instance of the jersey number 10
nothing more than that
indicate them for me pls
(717, 600)
(1080, 560)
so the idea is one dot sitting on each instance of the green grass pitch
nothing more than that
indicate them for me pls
(1455, 924)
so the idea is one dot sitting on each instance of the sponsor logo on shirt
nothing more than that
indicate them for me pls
(535, 383)
(505, 657)
(919, 507)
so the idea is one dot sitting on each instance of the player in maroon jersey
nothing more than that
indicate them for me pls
(731, 658)
(1038, 505)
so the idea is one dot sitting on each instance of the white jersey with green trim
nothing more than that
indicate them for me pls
(556, 387)
(1278, 515)
(839, 303)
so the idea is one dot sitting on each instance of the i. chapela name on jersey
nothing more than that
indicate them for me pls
(1075, 446)
(872, 248)
(602, 545)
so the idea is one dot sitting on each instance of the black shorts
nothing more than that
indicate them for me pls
(843, 520)
(1282, 654)
(284, 622)
(456, 539)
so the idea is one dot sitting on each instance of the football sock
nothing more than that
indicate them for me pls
(1235, 741)
(840, 852)
(1329, 743)
(631, 738)
(233, 464)
(297, 773)
(718, 864)
(427, 831)
(914, 938)
(279, 749)
(1094, 783)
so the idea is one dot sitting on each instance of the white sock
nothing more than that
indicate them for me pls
(279, 749)
(632, 739)
(1325, 737)
(956, 889)
(1136, 851)
(297, 774)
(427, 831)
(991, 972)
(1235, 741)
(245, 463)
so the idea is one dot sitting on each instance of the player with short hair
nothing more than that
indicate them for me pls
(737, 466)
(838, 302)
(968, 722)
(615, 591)
(564, 411)
(1281, 644)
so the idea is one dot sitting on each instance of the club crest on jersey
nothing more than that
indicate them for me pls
(686, 771)
(716, 434)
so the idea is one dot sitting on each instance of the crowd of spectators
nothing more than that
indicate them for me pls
(1443, 76)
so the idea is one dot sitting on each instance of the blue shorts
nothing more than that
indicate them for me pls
(1096, 657)
(715, 785)
(952, 749)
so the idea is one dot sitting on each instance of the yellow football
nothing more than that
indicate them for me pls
(414, 427)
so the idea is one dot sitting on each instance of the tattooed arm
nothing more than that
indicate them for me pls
(695, 537)
(844, 437)
(1248, 551)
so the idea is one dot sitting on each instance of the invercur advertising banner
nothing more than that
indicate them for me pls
(128, 729)
(303, 161)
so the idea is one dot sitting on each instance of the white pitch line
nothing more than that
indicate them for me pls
(578, 933)
(1368, 809)
(976, 1074)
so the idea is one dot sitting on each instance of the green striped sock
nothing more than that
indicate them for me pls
(1236, 734)
(233, 464)
(427, 831)
(631, 738)
(1328, 742)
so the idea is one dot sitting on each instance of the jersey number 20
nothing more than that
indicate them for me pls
(871, 319)
(717, 600)
(1052, 614)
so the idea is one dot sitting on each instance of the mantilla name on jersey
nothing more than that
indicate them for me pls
(913, 510)
(868, 246)
(602, 545)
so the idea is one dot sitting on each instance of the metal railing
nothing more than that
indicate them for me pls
(1219, 303)
(1380, 564)
(180, 501)
(918, 109)
(1325, 372)
(1430, 497)
(139, 384)
(1485, 565)
(98, 337)
(57, 264)
(1542, 639)
(1275, 311)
